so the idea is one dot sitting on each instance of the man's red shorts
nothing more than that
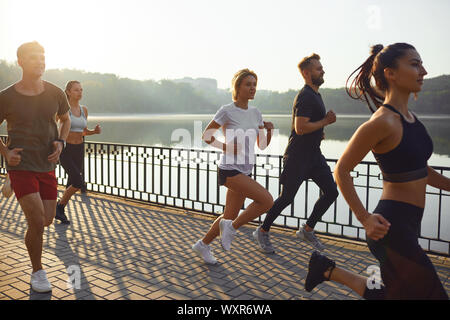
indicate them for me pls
(26, 182)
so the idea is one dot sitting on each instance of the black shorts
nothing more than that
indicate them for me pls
(222, 175)
(312, 164)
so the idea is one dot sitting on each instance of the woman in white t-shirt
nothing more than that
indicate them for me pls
(242, 126)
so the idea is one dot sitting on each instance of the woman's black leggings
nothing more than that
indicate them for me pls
(71, 159)
(406, 270)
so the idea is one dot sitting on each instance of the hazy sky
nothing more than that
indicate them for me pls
(167, 39)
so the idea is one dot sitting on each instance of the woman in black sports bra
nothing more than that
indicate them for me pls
(401, 146)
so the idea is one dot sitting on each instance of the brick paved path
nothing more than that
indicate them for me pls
(131, 250)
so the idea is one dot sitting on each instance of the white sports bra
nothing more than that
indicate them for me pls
(77, 124)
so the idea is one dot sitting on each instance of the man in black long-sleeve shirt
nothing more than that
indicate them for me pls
(303, 158)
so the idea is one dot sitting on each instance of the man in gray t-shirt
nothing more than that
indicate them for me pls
(30, 108)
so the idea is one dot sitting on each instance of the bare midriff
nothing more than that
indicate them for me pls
(75, 137)
(412, 192)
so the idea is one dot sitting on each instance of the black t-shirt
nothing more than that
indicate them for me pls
(308, 104)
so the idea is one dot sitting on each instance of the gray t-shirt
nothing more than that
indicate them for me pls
(32, 125)
(241, 126)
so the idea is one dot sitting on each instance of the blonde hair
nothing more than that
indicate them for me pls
(237, 80)
(29, 47)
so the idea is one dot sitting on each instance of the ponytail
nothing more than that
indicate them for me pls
(380, 58)
(360, 87)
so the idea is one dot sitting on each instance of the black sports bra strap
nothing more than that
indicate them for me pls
(392, 109)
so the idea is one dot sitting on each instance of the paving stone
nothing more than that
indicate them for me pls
(135, 251)
(15, 294)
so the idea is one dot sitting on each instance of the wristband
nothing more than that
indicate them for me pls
(63, 142)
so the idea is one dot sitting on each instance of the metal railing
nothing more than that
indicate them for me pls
(187, 179)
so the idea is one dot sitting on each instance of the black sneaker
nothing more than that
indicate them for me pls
(318, 264)
(60, 215)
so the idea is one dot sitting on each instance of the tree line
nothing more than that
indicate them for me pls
(108, 93)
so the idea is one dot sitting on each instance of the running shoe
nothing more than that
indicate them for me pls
(60, 214)
(318, 264)
(310, 238)
(205, 252)
(227, 233)
(39, 282)
(263, 240)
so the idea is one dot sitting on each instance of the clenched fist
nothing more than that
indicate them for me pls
(13, 157)
(376, 226)
(330, 117)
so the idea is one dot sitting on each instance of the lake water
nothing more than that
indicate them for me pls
(186, 130)
(166, 130)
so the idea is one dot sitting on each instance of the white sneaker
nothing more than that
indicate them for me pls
(227, 233)
(39, 281)
(204, 251)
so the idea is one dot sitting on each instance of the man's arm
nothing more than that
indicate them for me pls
(64, 130)
(13, 156)
(303, 125)
(3, 147)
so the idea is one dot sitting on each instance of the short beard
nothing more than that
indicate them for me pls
(317, 81)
